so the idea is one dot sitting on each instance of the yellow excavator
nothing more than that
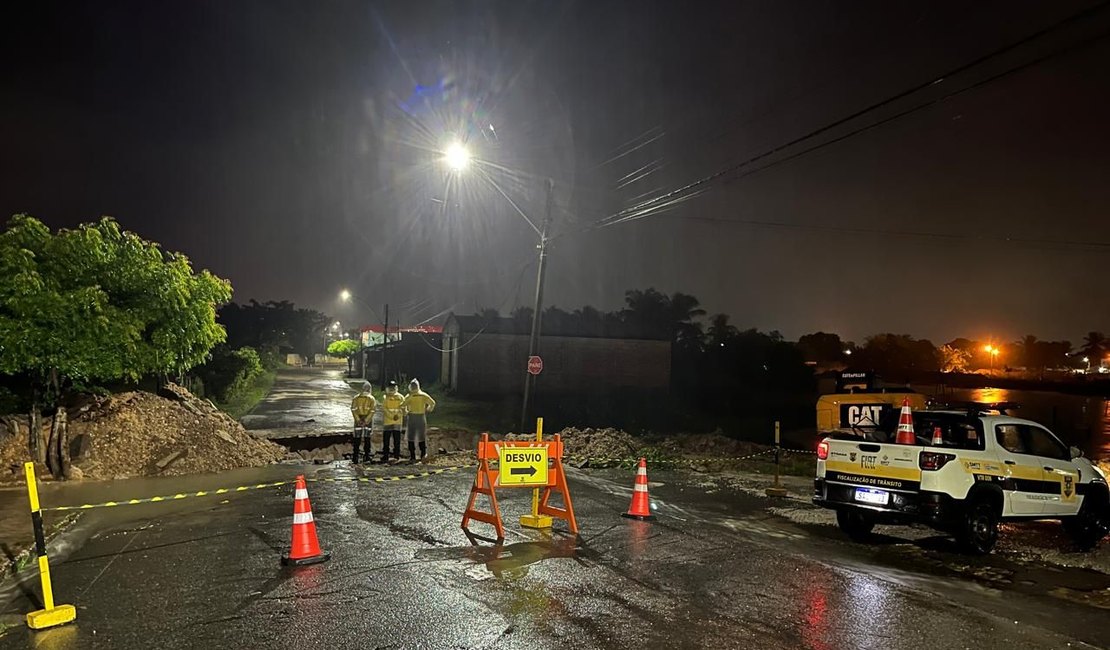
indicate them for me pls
(858, 402)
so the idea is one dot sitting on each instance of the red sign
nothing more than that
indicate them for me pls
(535, 365)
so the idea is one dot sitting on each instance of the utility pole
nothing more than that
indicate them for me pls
(534, 339)
(385, 343)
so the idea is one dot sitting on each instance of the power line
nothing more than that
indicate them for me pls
(899, 115)
(647, 205)
(489, 321)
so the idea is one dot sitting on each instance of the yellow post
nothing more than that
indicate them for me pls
(535, 519)
(49, 615)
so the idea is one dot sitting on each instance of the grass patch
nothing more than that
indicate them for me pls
(471, 415)
(246, 400)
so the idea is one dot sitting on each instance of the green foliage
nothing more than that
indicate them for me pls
(230, 373)
(345, 348)
(274, 327)
(98, 303)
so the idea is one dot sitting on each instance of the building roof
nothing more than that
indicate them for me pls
(604, 328)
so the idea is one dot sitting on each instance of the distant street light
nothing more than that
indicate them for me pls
(1087, 360)
(457, 158)
(347, 296)
(991, 351)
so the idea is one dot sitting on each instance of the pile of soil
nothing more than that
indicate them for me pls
(143, 434)
(599, 443)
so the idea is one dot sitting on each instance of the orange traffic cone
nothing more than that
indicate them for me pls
(905, 435)
(304, 549)
(938, 437)
(640, 508)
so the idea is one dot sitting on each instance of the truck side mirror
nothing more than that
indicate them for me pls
(1075, 452)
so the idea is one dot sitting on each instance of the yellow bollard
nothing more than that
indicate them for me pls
(536, 520)
(50, 615)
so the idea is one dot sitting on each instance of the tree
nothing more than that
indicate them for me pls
(821, 347)
(1094, 347)
(345, 348)
(953, 359)
(720, 333)
(1029, 351)
(97, 303)
(895, 354)
(273, 327)
(675, 316)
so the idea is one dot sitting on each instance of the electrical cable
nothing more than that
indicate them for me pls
(1083, 14)
(904, 113)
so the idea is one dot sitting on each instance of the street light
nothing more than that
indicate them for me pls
(992, 351)
(347, 296)
(457, 158)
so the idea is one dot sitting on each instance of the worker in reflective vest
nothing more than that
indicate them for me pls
(393, 416)
(362, 409)
(418, 404)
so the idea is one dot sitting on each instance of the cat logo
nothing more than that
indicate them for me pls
(1069, 487)
(862, 415)
(852, 456)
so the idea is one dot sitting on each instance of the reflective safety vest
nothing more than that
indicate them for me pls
(419, 402)
(363, 405)
(394, 407)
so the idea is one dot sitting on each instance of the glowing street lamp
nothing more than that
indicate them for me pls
(456, 156)
(992, 351)
(345, 295)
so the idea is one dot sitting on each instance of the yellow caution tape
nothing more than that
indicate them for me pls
(260, 486)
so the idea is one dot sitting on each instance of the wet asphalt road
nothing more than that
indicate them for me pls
(304, 401)
(715, 572)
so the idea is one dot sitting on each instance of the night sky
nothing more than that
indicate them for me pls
(292, 147)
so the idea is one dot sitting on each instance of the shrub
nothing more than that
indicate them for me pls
(230, 373)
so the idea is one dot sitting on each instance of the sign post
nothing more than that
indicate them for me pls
(535, 519)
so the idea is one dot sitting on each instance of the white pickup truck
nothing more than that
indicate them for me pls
(987, 468)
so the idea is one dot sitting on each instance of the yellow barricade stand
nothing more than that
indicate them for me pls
(525, 464)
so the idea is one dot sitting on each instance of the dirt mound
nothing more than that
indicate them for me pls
(598, 443)
(143, 434)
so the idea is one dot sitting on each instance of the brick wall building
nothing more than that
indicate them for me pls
(489, 356)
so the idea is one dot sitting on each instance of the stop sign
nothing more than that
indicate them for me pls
(535, 365)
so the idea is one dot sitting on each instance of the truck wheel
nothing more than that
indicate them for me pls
(856, 525)
(977, 530)
(1092, 523)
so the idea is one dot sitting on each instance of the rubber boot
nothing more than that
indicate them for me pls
(423, 451)
(354, 450)
(412, 452)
